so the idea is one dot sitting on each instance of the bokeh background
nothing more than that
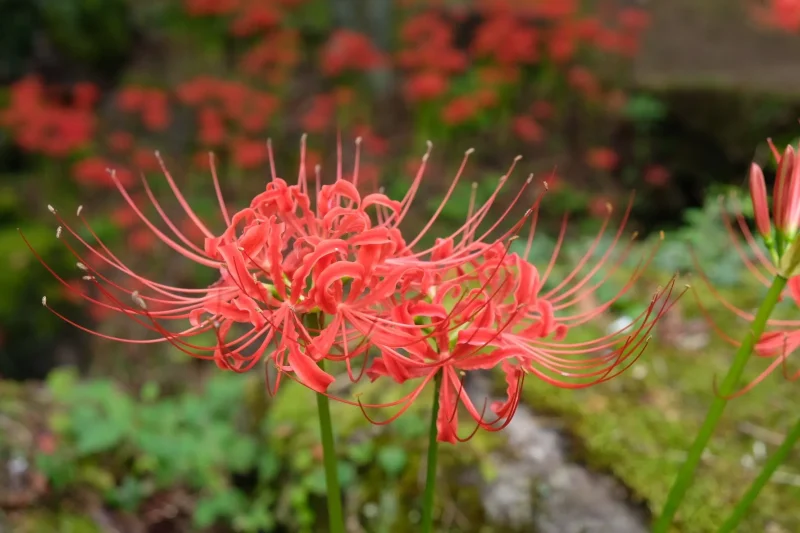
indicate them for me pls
(672, 99)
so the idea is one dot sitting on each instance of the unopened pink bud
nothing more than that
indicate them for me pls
(758, 194)
(791, 203)
(775, 152)
(785, 168)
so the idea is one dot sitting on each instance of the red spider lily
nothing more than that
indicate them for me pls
(151, 104)
(321, 115)
(779, 14)
(425, 86)
(274, 55)
(782, 241)
(349, 51)
(256, 17)
(634, 19)
(657, 176)
(39, 124)
(120, 141)
(602, 158)
(85, 95)
(460, 110)
(527, 129)
(779, 234)
(327, 275)
(93, 171)
(427, 45)
(494, 311)
(249, 153)
(212, 127)
(562, 44)
(782, 337)
(504, 39)
(584, 81)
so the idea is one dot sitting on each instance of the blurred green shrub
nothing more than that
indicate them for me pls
(240, 469)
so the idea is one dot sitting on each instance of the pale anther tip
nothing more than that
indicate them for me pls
(469, 151)
(51, 209)
(546, 186)
(81, 266)
(474, 184)
(138, 300)
(662, 235)
(530, 178)
(58, 232)
(317, 168)
(303, 137)
(78, 212)
(429, 144)
(44, 301)
(358, 140)
(517, 158)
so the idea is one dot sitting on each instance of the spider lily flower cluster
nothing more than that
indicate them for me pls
(319, 277)
(779, 234)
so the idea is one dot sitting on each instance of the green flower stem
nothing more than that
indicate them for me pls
(687, 471)
(433, 456)
(772, 464)
(335, 513)
(329, 459)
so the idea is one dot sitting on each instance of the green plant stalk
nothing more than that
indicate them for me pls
(772, 464)
(334, 491)
(685, 475)
(329, 459)
(433, 455)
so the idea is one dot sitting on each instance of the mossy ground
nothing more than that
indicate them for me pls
(639, 425)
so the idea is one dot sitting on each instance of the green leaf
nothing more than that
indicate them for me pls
(99, 437)
(269, 465)
(393, 460)
(220, 505)
(149, 392)
(361, 453)
(61, 383)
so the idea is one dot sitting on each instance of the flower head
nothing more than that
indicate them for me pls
(780, 233)
(326, 274)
